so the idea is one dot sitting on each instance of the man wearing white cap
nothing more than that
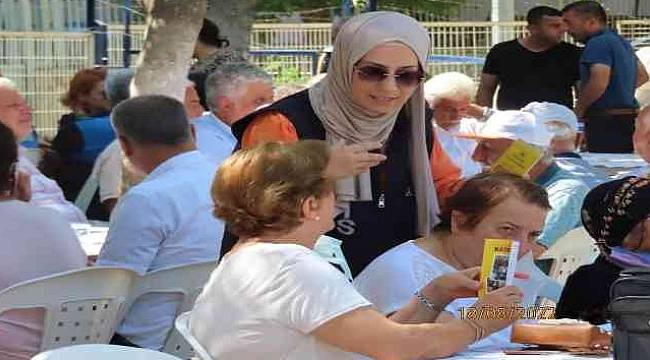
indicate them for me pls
(565, 191)
(563, 123)
(560, 120)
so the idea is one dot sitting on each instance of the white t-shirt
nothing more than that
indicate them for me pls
(392, 279)
(35, 242)
(263, 301)
(460, 150)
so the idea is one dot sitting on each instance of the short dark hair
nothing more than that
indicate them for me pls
(198, 77)
(152, 120)
(8, 156)
(210, 35)
(536, 14)
(478, 195)
(588, 8)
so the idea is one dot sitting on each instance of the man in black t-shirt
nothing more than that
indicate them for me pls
(540, 67)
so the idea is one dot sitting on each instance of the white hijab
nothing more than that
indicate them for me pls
(346, 122)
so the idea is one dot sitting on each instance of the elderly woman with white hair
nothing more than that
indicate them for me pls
(450, 95)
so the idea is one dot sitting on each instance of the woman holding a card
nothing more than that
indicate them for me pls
(487, 206)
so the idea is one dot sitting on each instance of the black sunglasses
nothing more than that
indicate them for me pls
(405, 78)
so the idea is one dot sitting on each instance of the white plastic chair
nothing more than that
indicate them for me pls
(571, 251)
(102, 352)
(81, 306)
(186, 280)
(85, 196)
(182, 325)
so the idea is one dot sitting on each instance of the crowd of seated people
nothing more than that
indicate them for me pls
(405, 172)
(292, 304)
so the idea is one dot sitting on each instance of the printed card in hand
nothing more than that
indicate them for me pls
(499, 263)
(518, 159)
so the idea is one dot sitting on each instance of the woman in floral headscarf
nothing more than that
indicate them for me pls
(615, 214)
(372, 98)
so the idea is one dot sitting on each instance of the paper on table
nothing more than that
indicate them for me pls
(91, 237)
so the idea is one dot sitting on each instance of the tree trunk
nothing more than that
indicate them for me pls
(235, 20)
(172, 29)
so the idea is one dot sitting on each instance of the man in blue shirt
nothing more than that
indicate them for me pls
(609, 75)
(165, 220)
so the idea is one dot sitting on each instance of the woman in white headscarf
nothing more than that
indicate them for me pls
(372, 98)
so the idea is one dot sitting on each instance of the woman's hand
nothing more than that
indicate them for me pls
(444, 289)
(487, 316)
(350, 160)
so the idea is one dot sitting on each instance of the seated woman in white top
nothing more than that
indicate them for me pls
(272, 297)
(500, 206)
(34, 242)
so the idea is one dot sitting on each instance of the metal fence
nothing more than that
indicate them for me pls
(43, 63)
(634, 29)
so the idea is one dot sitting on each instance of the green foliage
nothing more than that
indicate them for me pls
(285, 74)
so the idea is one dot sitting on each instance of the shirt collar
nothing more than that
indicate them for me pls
(186, 158)
(219, 124)
(547, 175)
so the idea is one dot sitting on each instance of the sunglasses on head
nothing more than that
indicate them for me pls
(404, 78)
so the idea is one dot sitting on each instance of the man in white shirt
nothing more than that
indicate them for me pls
(165, 220)
(233, 91)
(450, 95)
(15, 113)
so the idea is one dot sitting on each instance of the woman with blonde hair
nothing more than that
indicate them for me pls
(273, 297)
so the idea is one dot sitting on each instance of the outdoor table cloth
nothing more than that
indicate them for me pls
(618, 165)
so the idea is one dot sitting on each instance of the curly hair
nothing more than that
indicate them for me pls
(262, 190)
